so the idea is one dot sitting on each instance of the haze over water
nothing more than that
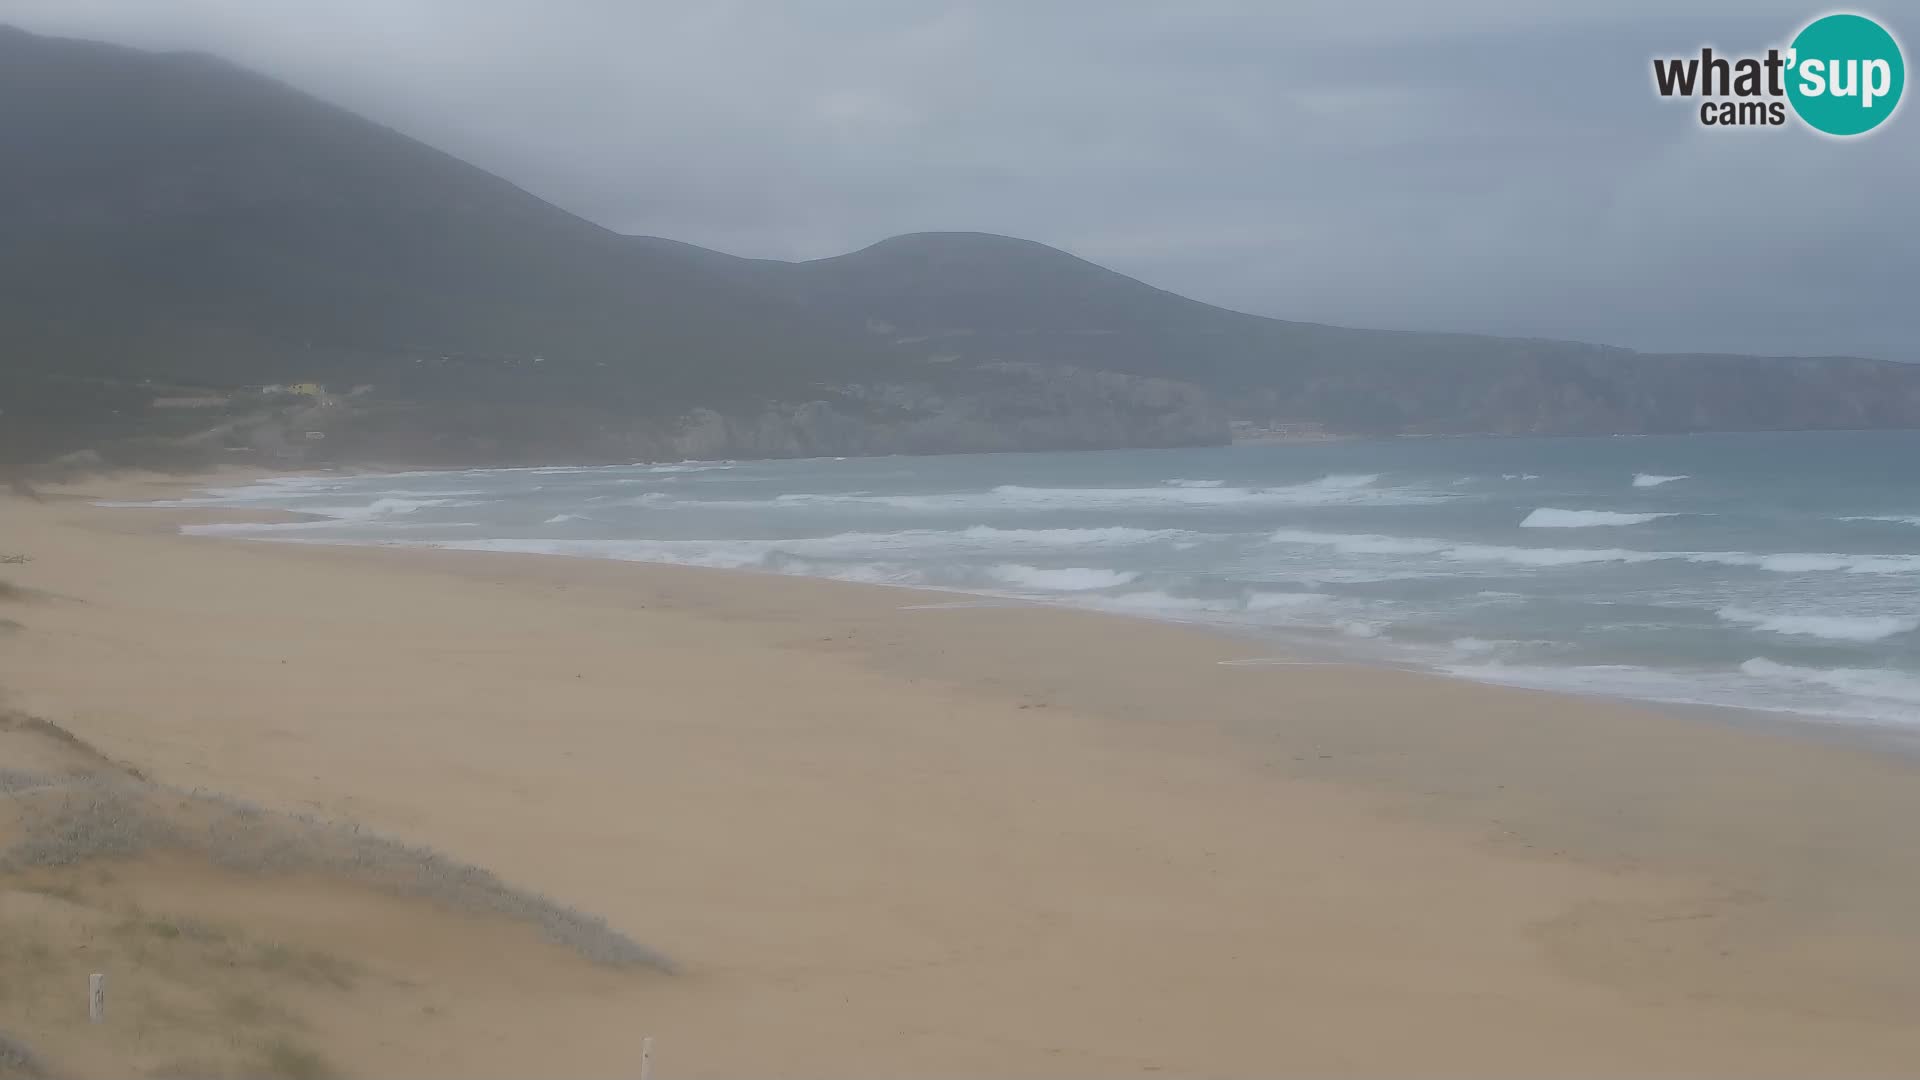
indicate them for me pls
(1767, 571)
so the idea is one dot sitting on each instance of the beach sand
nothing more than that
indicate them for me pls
(883, 834)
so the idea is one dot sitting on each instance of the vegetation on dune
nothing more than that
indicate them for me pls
(239, 998)
(63, 821)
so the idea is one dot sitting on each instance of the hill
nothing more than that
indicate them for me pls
(174, 228)
(973, 295)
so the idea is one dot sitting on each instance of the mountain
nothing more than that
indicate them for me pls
(177, 233)
(968, 296)
(173, 215)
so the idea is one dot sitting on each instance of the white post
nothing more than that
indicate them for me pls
(96, 998)
(646, 1058)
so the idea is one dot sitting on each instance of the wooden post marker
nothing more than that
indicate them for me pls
(96, 998)
(646, 1058)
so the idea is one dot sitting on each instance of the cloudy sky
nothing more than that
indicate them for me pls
(1498, 166)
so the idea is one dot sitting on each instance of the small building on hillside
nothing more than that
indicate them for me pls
(310, 389)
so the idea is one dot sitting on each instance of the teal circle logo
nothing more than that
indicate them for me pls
(1845, 74)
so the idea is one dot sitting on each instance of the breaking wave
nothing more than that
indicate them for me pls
(1871, 684)
(1339, 489)
(1547, 517)
(1860, 628)
(1062, 579)
(1783, 563)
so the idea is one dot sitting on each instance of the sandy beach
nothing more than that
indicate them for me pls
(884, 832)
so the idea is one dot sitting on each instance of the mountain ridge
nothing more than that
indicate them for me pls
(180, 220)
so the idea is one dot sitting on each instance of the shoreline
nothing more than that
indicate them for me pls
(1037, 842)
(1322, 645)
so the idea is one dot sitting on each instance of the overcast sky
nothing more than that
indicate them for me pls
(1498, 166)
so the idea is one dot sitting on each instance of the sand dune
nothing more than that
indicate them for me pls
(880, 838)
(240, 942)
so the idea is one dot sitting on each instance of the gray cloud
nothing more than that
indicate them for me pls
(1493, 165)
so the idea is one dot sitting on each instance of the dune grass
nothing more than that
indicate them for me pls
(67, 820)
(232, 1000)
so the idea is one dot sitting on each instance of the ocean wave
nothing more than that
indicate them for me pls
(1869, 695)
(1473, 646)
(1339, 489)
(1162, 603)
(691, 466)
(1285, 601)
(385, 507)
(1801, 562)
(1106, 536)
(1872, 684)
(1247, 608)
(559, 519)
(1519, 476)
(736, 555)
(1455, 551)
(1857, 628)
(1061, 579)
(976, 540)
(288, 530)
(1371, 544)
(1547, 517)
(384, 504)
(1197, 483)
(1647, 480)
(1891, 519)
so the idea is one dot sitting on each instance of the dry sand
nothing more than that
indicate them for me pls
(890, 839)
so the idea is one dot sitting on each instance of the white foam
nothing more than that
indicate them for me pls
(559, 519)
(1783, 563)
(1197, 483)
(1891, 519)
(1061, 579)
(694, 466)
(1473, 646)
(1371, 544)
(1801, 562)
(1869, 695)
(866, 546)
(1339, 489)
(272, 530)
(1108, 536)
(1860, 628)
(1360, 543)
(1647, 480)
(383, 508)
(1547, 517)
(1519, 476)
(1282, 601)
(1880, 685)
(1160, 602)
(738, 555)
(1246, 608)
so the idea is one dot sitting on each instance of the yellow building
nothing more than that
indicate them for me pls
(308, 388)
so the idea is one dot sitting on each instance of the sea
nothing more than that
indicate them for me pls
(1772, 572)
